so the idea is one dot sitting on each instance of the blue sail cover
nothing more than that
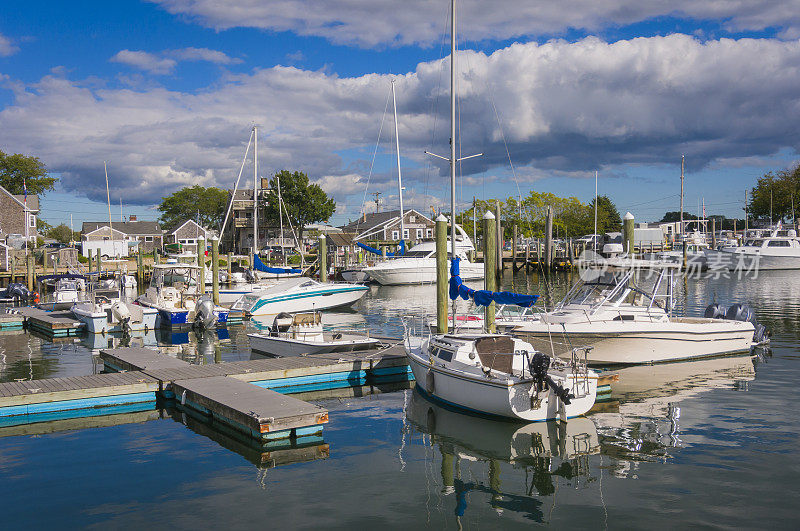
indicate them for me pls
(483, 297)
(261, 266)
(401, 251)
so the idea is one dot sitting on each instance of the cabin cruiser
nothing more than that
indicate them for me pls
(174, 292)
(613, 310)
(419, 264)
(303, 334)
(299, 294)
(779, 249)
(498, 375)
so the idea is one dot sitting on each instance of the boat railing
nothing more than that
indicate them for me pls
(579, 363)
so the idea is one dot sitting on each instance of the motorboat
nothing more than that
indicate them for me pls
(355, 275)
(302, 334)
(299, 294)
(779, 249)
(174, 292)
(500, 376)
(67, 292)
(507, 317)
(623, 308)
(107, 313)
(418, 265)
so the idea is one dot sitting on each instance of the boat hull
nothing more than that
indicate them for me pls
(657, 342)
(281, 346)
(500, 397)
(311, 301)
(393, 274)
(739, 261)
(99, 323)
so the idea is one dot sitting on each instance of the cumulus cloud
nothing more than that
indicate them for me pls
(7, 47)
(203, 54)
(564, 108)
(144, 61)
(379, 22)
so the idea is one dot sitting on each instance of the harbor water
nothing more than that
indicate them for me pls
(710, 443)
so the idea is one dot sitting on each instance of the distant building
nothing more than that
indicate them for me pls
(385, 227)
(187, 235)
(148, 234)
(237, 234)
(13, 216)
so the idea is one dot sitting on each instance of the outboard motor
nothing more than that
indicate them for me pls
(281, 324)
(204, 313)
(739, 312)
(715, 311)
(761, 334)
(538, 366)
(122, 314)
(19, 291)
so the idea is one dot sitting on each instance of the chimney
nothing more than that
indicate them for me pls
(132, 217)
(264, 183)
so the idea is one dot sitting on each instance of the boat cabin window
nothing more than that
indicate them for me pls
(779, 243)
(446, 355)
(417, 254)
(307, 284)
(177, 278)
(754, 243)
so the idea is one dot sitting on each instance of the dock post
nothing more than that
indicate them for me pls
(548, 238)
(215, 269)
(627, 233)
(514, 249)
(29, 266)
(89, 268)
(441, 274)
(323, 258)
(346, 257)
(229, 264)
(499, 241)
(155, 256)
(99, 264)
(12, 267)
(713, 233)
(383, 253)
(489, 268)
(527, 255)
(201, 261)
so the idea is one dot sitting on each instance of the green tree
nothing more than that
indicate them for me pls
(776, 194)
(204, 205)
(61, 233)
(675, 216)
(608, 219)
(14, 169)
(303, 202)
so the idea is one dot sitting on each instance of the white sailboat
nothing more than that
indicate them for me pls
(495, 374)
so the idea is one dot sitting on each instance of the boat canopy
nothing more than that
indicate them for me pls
(261, 266)
(400, 251)
(483, 297)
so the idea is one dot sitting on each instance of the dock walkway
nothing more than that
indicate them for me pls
(52, 324)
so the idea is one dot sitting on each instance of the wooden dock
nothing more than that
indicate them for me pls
(52, 324)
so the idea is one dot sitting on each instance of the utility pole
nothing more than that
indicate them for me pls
(377, 201)
(745, 213)
(681, 227)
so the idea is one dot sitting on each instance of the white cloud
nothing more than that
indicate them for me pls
(144, 61)
(380, 22)
(7, 47)
(203, 54)
(566, 108)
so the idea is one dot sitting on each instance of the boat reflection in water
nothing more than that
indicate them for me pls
(642, 420)
(545, 450)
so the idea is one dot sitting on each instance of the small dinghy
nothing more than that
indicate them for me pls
(302, 334)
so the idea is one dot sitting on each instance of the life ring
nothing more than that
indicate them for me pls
(430, 383)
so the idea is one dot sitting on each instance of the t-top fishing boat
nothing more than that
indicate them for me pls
(623, 308)
(174, 292)
(106, 312)
(303, 334)
(300, 294)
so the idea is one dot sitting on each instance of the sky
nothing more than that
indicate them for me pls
(166, 92)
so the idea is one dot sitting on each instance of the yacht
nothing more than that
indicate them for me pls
(623, 309)
(299, 294)
(418, 265)
(779, 249)
(174, 292)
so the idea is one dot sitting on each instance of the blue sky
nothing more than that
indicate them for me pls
(167, 90)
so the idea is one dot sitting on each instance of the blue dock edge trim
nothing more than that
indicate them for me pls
(67, 408)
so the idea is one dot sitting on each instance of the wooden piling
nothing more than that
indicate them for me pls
(140, 268)
(323, 258)
(29, 270)
(155, 256)
(229, 264)
(201, 262)
(441, 274)
(489, 256)
(514, 249)
(89, 264)
(215, 269)
(498, 241)
(627, 233)
(99, 264)
(713, 233)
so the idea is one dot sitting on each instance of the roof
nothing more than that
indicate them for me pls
(378, 218)
(150, 228)
(33, 200)
(191, 221)
(340, 239)
(104, 228)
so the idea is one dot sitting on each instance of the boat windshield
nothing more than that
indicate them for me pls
(594, 290)
(417, 254)
(177, 277)
(754, 243)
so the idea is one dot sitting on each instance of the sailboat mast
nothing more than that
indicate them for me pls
(399, 172)
(453, 130)
(108, 199)
(255, 190)
(280, 216)
(594, 235)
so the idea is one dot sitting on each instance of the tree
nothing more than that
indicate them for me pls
(608, 219)
(775, 194)
(16, 169)
(303, 203)
(61, 233)
(204, 205)
(675, 217)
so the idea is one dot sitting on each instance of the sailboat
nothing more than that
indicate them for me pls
(495, 374)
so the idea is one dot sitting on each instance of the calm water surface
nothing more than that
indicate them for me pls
(703, 444)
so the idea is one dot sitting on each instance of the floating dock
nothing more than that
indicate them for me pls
(51, 324)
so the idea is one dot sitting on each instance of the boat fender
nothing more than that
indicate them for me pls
(739, 312)
(715, 311)
(538, 366)
(36, 297)
(430, 383)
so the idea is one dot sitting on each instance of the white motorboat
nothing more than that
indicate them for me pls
(501, 376)
(103, 315)
(418, 266)
(299, 295)
(303, 334)
(507, 317)
(174, 292)
(625, 322)
(67, 292)
(778, 250)
(355, 275)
